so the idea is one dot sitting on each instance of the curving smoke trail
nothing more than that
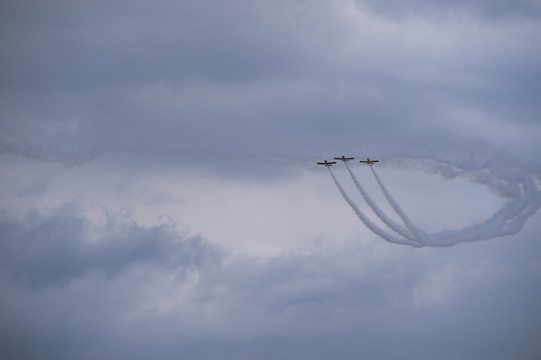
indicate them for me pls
(380, 214)
(508, 220)
(418, 233)
(518, 183)
(374, 228)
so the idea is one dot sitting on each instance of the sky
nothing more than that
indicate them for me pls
(159, 193)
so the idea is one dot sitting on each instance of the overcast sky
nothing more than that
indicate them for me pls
(159, 195)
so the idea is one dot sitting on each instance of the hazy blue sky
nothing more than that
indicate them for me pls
(159, 195)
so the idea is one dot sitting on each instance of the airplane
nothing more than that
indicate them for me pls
(327, 163)
(343, 158)
(368, 161)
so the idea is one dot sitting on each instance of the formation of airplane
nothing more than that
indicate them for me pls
(327, 163)
(345, 159)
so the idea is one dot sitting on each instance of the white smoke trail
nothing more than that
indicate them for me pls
(508, 220)
(418, 233)
(507, 178)
(380, 214)
(374, 228)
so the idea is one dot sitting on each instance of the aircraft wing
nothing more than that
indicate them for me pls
(327, 163)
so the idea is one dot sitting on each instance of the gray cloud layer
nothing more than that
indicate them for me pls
(258, 91)
(81, 80)
(485, 8)
(340, 303)
(44, 251)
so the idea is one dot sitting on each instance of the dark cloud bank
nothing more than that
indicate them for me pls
(45, 251)
(65, 298)
(81, 80)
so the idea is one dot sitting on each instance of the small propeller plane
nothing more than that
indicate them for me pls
(343, 158)
(327, 163)
(368, 161)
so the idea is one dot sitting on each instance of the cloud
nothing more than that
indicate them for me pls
(180, 41)
(288, 76)
(200, 226)
(486, 8)
(43, 250)
(355, 298)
